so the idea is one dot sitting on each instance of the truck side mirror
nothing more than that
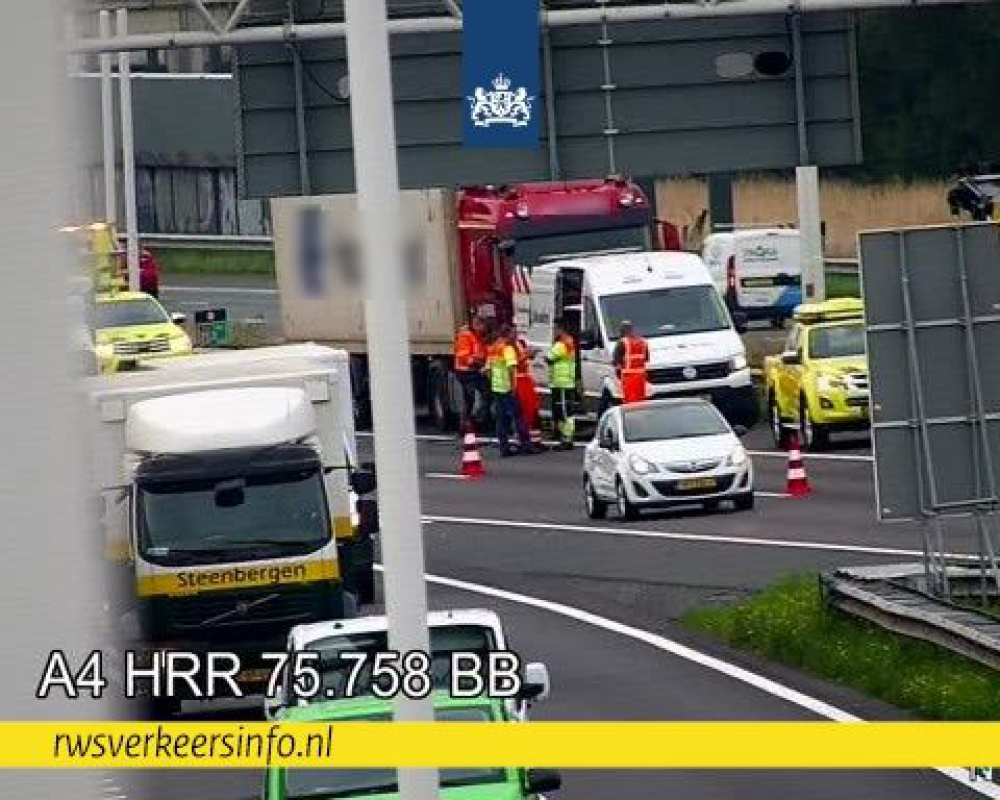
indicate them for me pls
(791, 358)
(540, 781)
(367, 517)
(740, 321)
(363, 482)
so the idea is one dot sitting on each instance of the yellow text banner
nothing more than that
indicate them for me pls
(457, 744)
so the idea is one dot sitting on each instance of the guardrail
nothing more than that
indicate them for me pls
(185, 241)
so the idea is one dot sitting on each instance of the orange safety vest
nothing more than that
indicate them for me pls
(524, 386)
(636, 353)
(470, 353)
(633, 372)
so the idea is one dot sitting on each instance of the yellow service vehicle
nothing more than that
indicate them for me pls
(819, 384)
(133, 326)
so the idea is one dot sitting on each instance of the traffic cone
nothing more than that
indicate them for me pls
(798, 483)
(472, 464)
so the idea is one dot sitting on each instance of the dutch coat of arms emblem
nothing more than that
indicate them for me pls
(501, 106)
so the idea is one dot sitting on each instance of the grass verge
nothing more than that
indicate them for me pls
(212, 261)
(790, 624)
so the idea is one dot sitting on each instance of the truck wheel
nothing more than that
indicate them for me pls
(778, 431)
(162, 709)
(744, 502)
(364, 585)
(814, 436)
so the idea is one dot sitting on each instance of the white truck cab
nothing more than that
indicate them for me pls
(695, 349)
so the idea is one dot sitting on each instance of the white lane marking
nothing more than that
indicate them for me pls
(219, 290)
(779, 495)
(445, 476)
(815, 456)
(440, 437)
(766, 685)
(705, 538)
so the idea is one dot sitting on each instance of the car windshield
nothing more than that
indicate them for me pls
(445, 640)
(316, 784)
(259, 516)
(672, 421)
(837, 341)
(125, 313)
(666, 312)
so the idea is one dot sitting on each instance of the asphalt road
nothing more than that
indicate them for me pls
(522, 530)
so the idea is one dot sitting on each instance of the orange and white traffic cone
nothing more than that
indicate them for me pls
(472, 464)
(798, 483)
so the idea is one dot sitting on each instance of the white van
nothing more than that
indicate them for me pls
(669, 297)
(758, 272)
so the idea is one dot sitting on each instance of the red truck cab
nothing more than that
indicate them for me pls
(503, 227)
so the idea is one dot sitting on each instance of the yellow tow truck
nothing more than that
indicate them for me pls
(819, 384)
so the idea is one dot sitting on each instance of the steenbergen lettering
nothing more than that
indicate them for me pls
(275, 575)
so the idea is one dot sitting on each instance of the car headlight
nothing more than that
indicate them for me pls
(738, 362)
(738, 457)
(828, 383)
(641, 466)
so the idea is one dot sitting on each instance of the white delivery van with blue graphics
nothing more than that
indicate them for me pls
(757, 272)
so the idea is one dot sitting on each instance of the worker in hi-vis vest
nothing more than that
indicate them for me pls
(562, 386)
(470, 359)
(526, 391)
(501, 366)
(631, 357)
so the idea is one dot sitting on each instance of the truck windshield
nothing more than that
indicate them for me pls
(328, 783)
(837, 341)
(666, 312)
(257, 517)
(124, 313)
(532, 251)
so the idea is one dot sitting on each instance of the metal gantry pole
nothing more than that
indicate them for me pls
(377, 176)
(108, 127)
(128, 157)
(811, 232)
(50, 560)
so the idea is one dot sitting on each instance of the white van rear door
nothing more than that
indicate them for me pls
(768, 270)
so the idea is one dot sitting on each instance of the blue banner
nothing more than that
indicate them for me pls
(501, 70)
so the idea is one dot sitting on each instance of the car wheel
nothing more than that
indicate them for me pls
(744, 502)
(813, 435)
(596, 508)
(710, 505)
(626, 510)
(778, 431)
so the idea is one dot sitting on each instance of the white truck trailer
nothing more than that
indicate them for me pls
(227, 483)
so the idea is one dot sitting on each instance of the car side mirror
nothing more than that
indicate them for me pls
(363, 482)
(740, 321)
(540, 781)
(791, 357)
(178, 318)
(740, 430)
(608, 442)
(536, 684)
